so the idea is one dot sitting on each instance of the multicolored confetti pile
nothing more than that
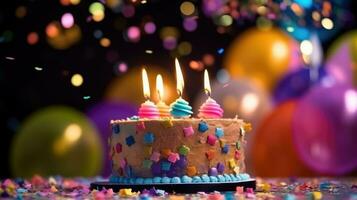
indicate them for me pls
(293, 188)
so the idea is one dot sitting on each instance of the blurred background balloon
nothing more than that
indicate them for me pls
(295, 84)
(261, 55)
(56, 141)
(342, 59)
(101, 114)
(129, 87)
(272, 152)
(325, 128)
(239, 97)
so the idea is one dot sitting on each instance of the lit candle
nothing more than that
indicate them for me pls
(180, 108)
(210, 108)
(164, 110)
(148, 109)
(179, 78)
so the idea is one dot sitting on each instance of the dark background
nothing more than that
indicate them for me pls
(25, 90)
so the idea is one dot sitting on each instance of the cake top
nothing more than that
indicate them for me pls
(136, 119)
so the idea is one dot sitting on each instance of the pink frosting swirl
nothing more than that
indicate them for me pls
(210, 109)
(149, 110)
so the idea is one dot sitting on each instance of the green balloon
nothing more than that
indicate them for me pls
(56, 141)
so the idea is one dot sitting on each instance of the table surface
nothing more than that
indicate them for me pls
(277, 188)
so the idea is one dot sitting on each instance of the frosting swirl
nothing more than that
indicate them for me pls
(164, 110)
(210, 109)
(181, 108)
(148, 110)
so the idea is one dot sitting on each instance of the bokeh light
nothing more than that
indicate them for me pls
(184, 48)
(149, 27)
(67, 20)
(187, 8)
(98, 34)
(190, 24)
(128, 10)
(105, 42)
(306, 47)
(97, 11)
(77, 80)
(21, 12)
(208, 59)
(225, 20)
(169, 31)
(196, 65)
(75, 2)
(223, 76)
(32, 38)
(133, 34)
(52, 30)
(327, 23)
(169, 43)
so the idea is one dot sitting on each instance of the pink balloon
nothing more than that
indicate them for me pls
(324, 129)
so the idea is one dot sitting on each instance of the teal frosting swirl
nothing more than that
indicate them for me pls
(181, 108)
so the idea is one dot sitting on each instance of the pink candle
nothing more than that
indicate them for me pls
(210, 108)
(148, 109)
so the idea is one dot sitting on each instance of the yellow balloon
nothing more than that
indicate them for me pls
(128, 88)
(260, 55)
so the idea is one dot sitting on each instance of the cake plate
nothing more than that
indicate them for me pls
(178, 187)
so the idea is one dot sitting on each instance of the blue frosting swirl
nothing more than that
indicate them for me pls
(228, 178)
(148, 181)
(183, 179)
(196, 179)
(205, 178)
(221, 178)
(186, 179)
(165, 179)
(139, 181)
(175, 180)
(213, 179)
(181, 108)
(157, 179)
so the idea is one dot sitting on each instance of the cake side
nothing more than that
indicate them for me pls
(176, 148)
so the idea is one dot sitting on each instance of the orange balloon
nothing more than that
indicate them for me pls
(272, 150)
(128, 88)
(261, 55)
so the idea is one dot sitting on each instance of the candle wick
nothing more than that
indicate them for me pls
(158, 95)
(179, 93)
(208, 92)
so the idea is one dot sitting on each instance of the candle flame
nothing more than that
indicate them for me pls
(179, 77)
(160, 86)
(207, 84)
(146, 87)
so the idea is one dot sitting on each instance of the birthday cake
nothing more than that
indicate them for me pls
(164, 145)
(150, 151)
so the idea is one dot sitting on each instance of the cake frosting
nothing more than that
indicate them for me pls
(180, 108)
(173, 150)
(149, 110)
(210, 109)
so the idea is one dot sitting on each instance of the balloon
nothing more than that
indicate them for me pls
(56, 141)
(325, 125)
(101, 114)
(295, 84)
(129, 87)
(272, 149)
(342, 59)
(239, 97)
(261, 55)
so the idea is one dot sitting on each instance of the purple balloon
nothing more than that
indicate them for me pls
(324, 129)
(340, 65)
(101, 114)
(295, 84)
